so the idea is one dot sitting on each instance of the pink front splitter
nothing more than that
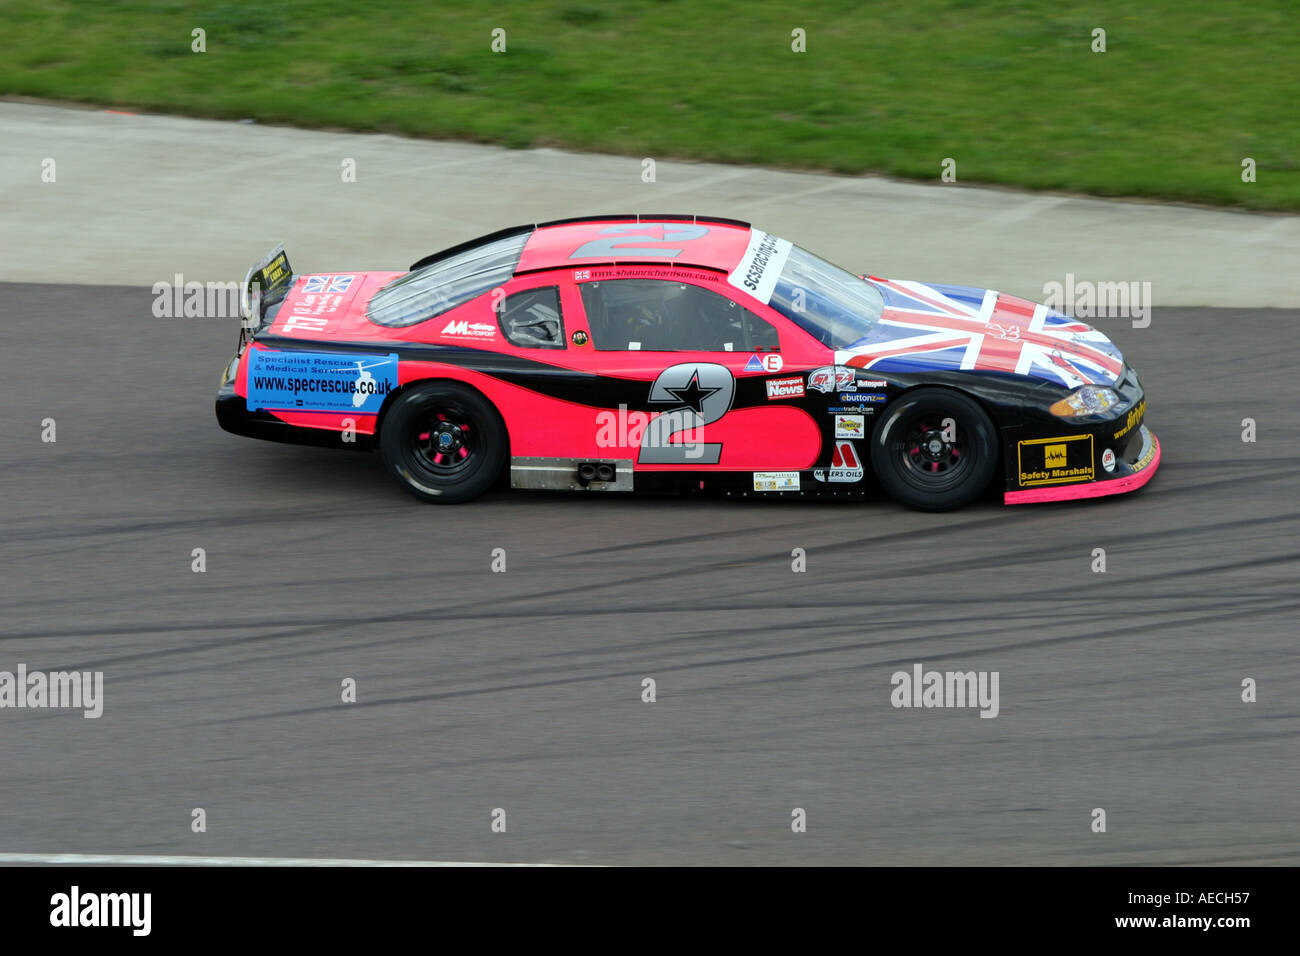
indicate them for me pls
(1095, 489)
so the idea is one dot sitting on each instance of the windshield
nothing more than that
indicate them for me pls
(833, 306)
(443, 285)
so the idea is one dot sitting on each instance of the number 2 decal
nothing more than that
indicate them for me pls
(622, 238)
(698, 393)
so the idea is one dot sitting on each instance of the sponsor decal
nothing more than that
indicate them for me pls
(845, 465)
(646, 272)
(1055, 461)
(850, 426)
(277, 270)
(273, 271)
(776, 481)
(761, 265)
(1108, 460)
(872, 383)
(1134, 417)
(830, 378)
(1149, 452)
(784, 388)
(482, 330)
(767, 362)
(822, 379)
(320, 381)
(328, 283)
(864, 398)
(851, 410)
(310, 313)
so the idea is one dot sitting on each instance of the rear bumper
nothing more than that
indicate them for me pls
(233, 415)
(1131, 477)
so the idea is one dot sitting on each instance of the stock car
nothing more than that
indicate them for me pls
(683, 354)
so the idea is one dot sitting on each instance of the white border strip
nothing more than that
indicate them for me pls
(115, 859)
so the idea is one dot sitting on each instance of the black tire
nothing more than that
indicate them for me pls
(449, 470)
(915, 462)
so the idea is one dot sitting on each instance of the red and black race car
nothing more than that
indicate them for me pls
(683, 353)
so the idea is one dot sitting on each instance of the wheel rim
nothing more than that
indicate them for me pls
(925, 458)
(444, 441)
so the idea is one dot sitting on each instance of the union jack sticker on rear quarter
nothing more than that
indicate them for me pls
(328, 283)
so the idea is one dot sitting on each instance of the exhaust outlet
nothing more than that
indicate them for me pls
(605, 472)
(586, 473)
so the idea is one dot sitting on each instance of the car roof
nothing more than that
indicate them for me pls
(707, 242)
(700, 242)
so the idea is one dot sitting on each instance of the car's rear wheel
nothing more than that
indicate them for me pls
(934, 449)
(443, 442)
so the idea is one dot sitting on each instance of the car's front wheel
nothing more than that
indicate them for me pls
(443, 442)
(934, 449)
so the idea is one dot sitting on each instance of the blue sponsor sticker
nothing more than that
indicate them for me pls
(864, 398)
(320, 381)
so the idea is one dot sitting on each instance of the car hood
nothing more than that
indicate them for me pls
(932, 327)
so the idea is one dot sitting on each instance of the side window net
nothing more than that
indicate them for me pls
(532, 319)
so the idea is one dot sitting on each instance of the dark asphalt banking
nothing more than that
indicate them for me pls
(522, 690)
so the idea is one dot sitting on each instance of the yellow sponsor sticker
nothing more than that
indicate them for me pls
(1147, 455)
(1134, 418)
(1055, 461)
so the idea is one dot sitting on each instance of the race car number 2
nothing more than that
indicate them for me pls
(692, 395)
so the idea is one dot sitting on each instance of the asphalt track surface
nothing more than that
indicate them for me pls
(522, 690)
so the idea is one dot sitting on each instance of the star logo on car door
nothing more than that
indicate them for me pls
(692, 396)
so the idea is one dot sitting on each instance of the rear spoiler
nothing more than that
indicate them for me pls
(265, 284)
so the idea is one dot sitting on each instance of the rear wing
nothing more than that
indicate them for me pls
(265, 284)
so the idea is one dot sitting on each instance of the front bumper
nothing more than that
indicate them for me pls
(1128, 476)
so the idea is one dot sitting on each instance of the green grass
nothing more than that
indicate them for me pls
(1186, 90)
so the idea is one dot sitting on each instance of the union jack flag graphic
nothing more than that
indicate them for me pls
(927, 327)
(328, 283)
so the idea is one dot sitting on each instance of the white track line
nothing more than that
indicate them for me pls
(115, 859)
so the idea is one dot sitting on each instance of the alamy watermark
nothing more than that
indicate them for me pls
(179, 299)
(128, 910)
(923, 688)
(1084, 299)
(82, 690)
